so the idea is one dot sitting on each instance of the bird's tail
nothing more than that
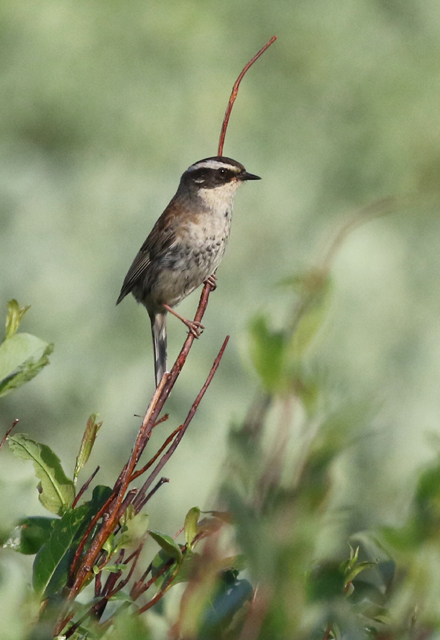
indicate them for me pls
(159, 331)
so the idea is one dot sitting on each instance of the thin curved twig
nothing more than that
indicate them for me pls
(8, 432)
(234, 93)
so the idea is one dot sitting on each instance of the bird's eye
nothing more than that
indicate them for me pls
(222, 172)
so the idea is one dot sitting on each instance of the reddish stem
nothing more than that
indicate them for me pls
(234, 93)
(84, 487)
(110, 521)
(88, 531)
(138, 589)
(156, 487)
(164, 418)
(327, 632)
(8, 432)
(155, 457)
(135, 557)
(139, 500)
(160, 594)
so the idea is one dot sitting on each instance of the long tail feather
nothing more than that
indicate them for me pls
(159, 331)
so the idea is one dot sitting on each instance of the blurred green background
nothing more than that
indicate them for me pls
(105, 103)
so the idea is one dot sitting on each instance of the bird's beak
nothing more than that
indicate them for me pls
(248, 176)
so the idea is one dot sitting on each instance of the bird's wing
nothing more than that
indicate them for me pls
(161, 238)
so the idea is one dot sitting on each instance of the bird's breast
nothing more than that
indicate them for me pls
(206, 228)
(196, 253)
(201, 242)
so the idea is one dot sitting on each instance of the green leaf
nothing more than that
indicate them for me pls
(306, 283)
(314, 313)
(183, 571)
(121, 596)
(267, 349)
(167, 544)
(52, 562)
(326, 581)
(26, 371)
(87, 442)
(230, 596)
(186, 568)
(180, 571)
(427, 498)
(348, 565)
(109, 545)
(14, 317)
(30, 534)
(191, 520)
(132, 531)
(16, 350)
(308, 390)
(101, 493)
(233, 563)
(56, 490)
(111, 568)
(126, 626)
(361, 566)
(22, 356)
(128, 516)
(425, 521)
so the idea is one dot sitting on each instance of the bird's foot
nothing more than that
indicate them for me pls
(212, 281)
(194, 326)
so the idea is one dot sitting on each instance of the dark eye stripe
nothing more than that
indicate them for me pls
(198, 174)
(225, 175)
(209, 178)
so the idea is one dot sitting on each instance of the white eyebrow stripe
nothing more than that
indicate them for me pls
(214, 164)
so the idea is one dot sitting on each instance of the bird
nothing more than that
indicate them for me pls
(185, 246)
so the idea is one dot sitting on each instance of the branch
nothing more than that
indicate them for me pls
(111, 511)
(160, 594)
(8, 432)
(119, 500)
(138, 501)
(234, 93)
(156, 455)
(149, 495)
(138, 589)
(84, 487)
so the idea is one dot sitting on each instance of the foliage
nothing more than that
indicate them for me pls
(55, 491)
(22, 356)
(256, 567)
(283, 556)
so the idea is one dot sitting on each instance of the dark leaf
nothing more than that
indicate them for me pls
(167, 544)
(30, 535)
(51, 565)
(229, 598)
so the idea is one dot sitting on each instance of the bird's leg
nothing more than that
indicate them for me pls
(212, 281)
(194, 326)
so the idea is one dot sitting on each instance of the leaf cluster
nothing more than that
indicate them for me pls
(22, 355)
(259, 565)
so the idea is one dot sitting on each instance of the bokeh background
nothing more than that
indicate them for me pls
(105, 103)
